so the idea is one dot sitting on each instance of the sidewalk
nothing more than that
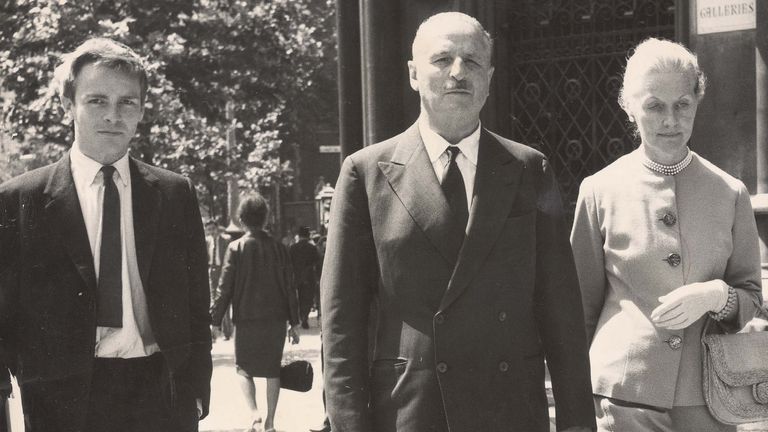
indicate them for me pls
(296, 412)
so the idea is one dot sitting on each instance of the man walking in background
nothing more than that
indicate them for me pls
(460, 236)
(216, 245)
(304, 257)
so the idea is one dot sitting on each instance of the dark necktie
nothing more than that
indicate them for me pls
(454, 190)
(109, 311)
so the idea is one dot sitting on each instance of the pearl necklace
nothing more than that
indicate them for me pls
(668, 170)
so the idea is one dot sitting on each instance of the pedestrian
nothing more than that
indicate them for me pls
(257, 280)
(103, 286)
(216, 245)
(304, 258)
(459, 235)
(663, 240)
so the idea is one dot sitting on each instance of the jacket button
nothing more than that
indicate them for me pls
(673, 259)
(442, 367)
(503, 366)
(80, 294)
(669, 219)
(439, 319)
(502, 316)
(675, 342)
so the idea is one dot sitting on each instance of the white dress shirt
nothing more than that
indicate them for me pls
(437, 149)
(124, 342)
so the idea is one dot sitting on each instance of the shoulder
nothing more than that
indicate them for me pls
(162, 175)
(29, 181)
(523, 152)
(705, 170)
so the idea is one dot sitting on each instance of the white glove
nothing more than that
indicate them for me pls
(683, 306)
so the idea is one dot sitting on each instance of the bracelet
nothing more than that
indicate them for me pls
(730, 305)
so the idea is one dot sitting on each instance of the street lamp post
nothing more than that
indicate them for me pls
(233, 191)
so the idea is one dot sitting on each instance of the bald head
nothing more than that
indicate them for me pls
(437, 25)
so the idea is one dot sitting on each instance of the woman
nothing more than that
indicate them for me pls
(662, 240)
(257, 280)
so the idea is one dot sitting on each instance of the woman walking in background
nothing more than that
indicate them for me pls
(662, 239)
(257, 279)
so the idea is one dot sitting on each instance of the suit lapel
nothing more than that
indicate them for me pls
(65, 217)
(496, 184)
(413, 180)
(146, 216)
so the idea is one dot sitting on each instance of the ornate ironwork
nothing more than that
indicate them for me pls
(565, 61)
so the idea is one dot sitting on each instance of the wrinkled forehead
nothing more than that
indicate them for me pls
(439, 35)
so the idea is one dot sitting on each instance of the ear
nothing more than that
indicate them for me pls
(68, 107)
(490, 73)
(412, 75)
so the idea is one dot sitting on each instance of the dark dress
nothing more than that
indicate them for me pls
(257, 279)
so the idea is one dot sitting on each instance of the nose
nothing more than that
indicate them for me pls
(670, 119)
(458, 69)
(112, 113)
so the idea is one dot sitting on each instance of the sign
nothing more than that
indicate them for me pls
(716, 16)
(330, 149)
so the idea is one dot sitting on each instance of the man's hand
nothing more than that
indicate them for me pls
(293, 332)
(199, 408)
(683, 306)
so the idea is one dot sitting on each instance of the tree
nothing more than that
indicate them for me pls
(268, 58)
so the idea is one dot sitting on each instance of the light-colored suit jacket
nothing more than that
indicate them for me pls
(622, 242)
(463, 325)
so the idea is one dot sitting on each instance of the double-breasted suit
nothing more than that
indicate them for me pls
(48, 287)
(465, 320)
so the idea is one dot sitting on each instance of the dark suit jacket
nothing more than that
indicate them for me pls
(463, 325)
(256, 267)
(48, 282)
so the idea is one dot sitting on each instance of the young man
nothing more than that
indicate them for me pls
(460, 235)
(103, 286)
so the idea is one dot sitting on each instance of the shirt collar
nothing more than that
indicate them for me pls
(436, 145)
(85, 169)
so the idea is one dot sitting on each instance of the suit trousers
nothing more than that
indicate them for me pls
(619, 416)
(126, 396)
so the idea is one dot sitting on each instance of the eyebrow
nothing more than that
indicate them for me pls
(102, 95)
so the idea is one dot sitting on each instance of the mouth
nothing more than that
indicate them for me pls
(670, 135)
(109, 133)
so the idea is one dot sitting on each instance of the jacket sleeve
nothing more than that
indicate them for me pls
(558, 310)
(200, 366)
(743, 269)
(587, 244)
(9, 287)
(222, 297)
(348, 281)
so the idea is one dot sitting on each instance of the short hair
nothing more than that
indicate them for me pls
(304, 231)
(253, 211)
(449, 19)
(210, 222)
(660, 55)
(102, 52)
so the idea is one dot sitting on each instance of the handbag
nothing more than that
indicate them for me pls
(735, 375)
(296, 375)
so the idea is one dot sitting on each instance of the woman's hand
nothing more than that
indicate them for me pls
(293, 332)
(683, 306)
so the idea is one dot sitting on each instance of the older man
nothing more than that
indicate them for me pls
(103, 286)
(459, 235)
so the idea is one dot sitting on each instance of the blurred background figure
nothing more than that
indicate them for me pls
(216, 245)
(257, 280)
(305, 259)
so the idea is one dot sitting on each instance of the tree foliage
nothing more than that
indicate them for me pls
(268, 58)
